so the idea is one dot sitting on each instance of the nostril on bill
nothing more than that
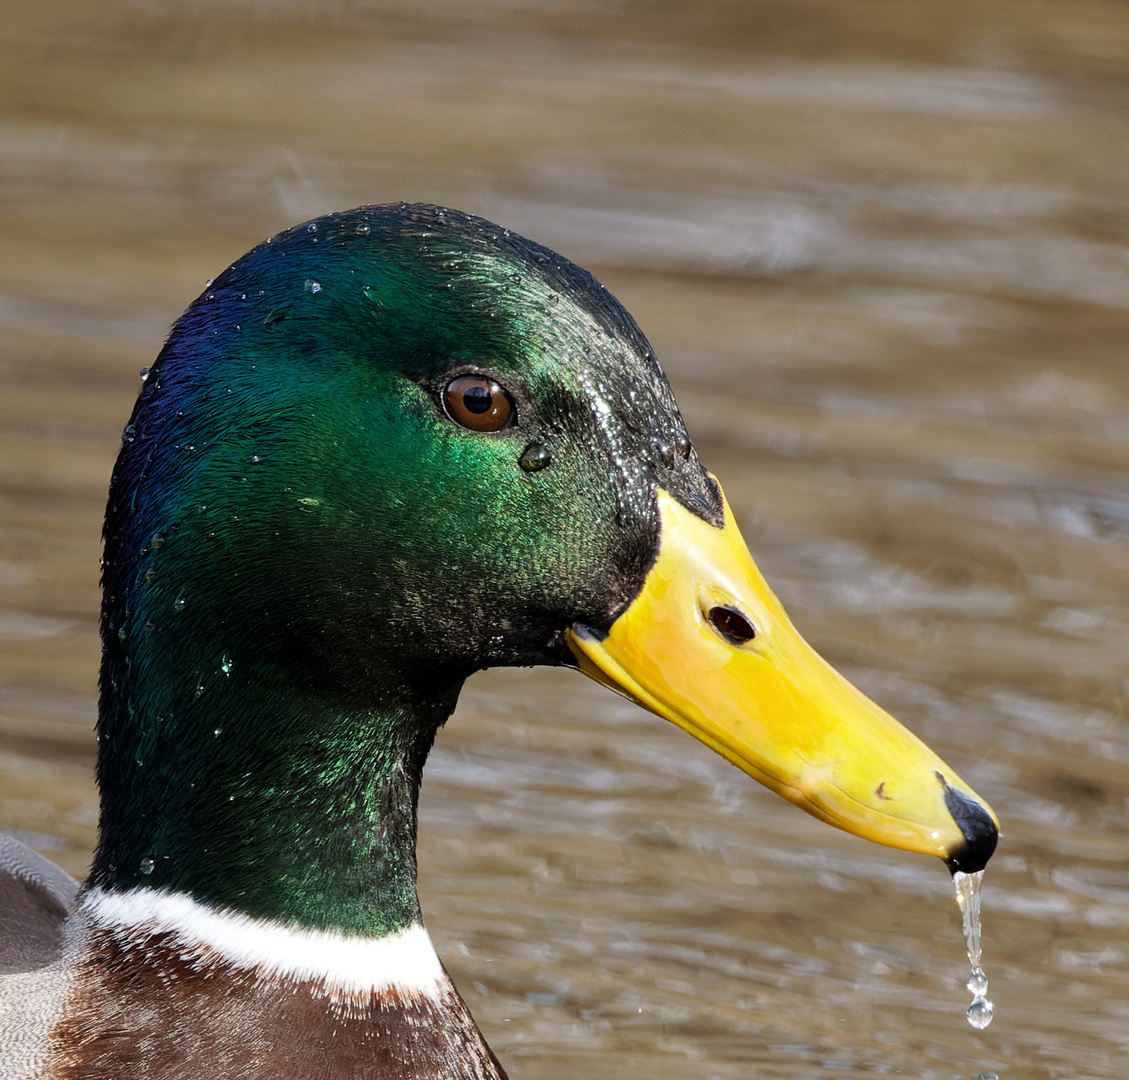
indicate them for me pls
(731, 624)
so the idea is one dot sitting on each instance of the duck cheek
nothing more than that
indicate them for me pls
(707, 645)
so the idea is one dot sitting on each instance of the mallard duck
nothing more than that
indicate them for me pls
(384, 450)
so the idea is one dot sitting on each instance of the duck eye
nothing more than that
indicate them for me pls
(731, 625)
(477, 402)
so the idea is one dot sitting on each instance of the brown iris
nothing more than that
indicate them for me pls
(477, 402)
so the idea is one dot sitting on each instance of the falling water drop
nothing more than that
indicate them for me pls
(980, 1013)
(968, 899)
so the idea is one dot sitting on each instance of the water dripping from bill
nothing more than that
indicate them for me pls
(968, 899)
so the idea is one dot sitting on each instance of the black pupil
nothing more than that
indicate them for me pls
(478, 400)
(732, 625)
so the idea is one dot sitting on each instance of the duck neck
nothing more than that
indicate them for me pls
(247, 787)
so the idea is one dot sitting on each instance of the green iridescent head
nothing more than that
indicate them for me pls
(383, 450)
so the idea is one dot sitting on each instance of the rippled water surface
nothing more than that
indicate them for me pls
(882, 249)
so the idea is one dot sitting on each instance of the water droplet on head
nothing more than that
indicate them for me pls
(144, 373)
(157, 540)
(535, 457)
(129, 434)
(226, 665)
(313, 286)
(178, 603)
(122, 635)
(147, 865)
(255, 459)
(218, 732)
(364, 229)
(312, 227)
(553, 298)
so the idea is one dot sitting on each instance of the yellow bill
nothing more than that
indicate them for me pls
(707, 645)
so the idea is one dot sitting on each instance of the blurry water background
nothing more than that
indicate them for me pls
(882, 249)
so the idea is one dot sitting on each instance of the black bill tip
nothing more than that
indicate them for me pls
(979, 830)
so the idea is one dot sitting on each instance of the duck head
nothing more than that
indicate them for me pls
(384, 450)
